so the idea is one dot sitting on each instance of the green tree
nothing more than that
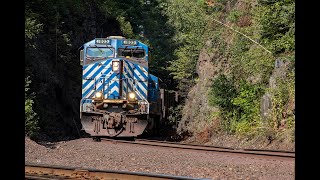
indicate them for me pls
(270, 24)
(31, 119)
(188, 19)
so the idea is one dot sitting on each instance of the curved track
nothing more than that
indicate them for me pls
(49, 172)
(166, 144)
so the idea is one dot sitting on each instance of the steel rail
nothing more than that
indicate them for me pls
(50, 172)
(269, 153)
(246, 149)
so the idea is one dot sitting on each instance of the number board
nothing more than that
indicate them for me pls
(130, 42)
(103, 41)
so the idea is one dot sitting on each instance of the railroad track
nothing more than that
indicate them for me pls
(49, 172)
(255, 152)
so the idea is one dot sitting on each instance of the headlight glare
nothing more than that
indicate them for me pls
(131, 96)
(98, 94)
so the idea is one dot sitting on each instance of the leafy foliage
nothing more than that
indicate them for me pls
(223, 92)
(283, 96)
(247, 101)
(188, 20)
(234, 16)
(31, 27)
(176, 31)
(277, 24)
(125, 26)
(239, 105)
(271, 24)
(175, 114)
(31, 119)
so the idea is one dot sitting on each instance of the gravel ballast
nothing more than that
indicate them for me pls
(86, 153)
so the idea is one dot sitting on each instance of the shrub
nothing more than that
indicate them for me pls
(31, 119)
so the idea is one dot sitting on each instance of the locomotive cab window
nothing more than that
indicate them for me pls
(98, 53)
(131, 52)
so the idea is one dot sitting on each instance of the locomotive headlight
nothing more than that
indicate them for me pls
(98, 95)
(115, 65)
(131, 96)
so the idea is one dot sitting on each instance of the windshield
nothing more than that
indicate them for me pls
(136, 52)
(95, 53)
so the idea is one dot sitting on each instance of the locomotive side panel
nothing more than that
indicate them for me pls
(168, 99)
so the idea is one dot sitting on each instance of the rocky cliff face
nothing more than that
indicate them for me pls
(272, 98)
(197, 114)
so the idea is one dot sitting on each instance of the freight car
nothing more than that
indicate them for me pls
(120, 98)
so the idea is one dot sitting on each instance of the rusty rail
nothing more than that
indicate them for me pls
(268, 153)
(49, 172)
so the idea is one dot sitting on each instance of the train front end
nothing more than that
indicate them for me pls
(114, 87)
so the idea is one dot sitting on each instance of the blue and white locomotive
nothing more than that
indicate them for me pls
(119, 95)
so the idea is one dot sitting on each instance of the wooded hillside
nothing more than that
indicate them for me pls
(232, 61)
